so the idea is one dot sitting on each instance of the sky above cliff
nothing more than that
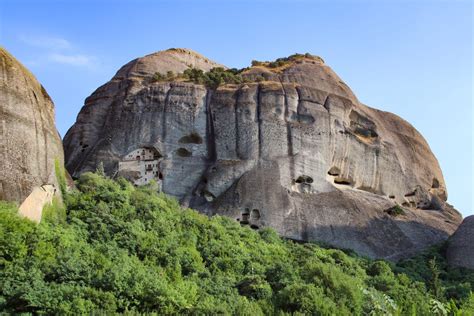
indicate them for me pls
(412, 58)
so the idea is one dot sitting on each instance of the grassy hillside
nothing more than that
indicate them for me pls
(117, 248)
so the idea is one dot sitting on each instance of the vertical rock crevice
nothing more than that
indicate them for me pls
(211, 137)
(259, 121)
(236, 118)
(163, 116)
(289, 134)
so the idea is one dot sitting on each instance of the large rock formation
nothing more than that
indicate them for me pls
(29, 142)
(291, 148)
(460, 251)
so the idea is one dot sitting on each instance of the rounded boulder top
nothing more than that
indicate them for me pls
(175, 60)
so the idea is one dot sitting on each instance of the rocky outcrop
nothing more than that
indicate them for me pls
(460, 251)
(32, 206)
(29, 142)
(291, 147)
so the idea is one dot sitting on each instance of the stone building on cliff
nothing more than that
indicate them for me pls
(141, 166)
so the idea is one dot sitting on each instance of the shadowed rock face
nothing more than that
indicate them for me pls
(29, 141)
(460, 251)
(295, 151)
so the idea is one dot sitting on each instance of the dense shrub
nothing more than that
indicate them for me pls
(280, 62)
(395, 211)
(116, 248)
(213, 78)
(218, 76)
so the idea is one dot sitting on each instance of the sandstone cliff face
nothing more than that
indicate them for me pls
(460, 251)
(29, 142)
(295, 151)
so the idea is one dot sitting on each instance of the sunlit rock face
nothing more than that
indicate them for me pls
(292, 148)
(29, 141)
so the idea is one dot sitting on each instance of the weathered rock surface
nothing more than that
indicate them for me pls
(460, 251)
(32, 206)
(29, 141)
(295, 151)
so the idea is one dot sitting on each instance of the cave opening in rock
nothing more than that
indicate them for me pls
(435, 184)
(254, 226)
(192, 138)
(183, 152)
(342, 181)
(364, 132)
(334, 171)
(362, 126)
(413, 193)
(304, 179)
(245, 217)
(255, 214)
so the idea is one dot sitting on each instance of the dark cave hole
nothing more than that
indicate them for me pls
(365, 132)
(304, 179)
(413, 193)
(255, 214)
(192, 138)
(334, 171)
(183, 152)
(342, 181)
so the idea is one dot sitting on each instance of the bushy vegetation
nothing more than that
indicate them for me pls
(117, 248)
(218, 76)
(215, 77)
(280, 62)
(169, 76)
(395, 210)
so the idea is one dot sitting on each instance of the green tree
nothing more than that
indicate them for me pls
(435, 283)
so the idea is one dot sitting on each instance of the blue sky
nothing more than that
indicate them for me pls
(412, 58)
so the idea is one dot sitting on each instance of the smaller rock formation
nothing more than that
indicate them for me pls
(460, 252)
(32, 206)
